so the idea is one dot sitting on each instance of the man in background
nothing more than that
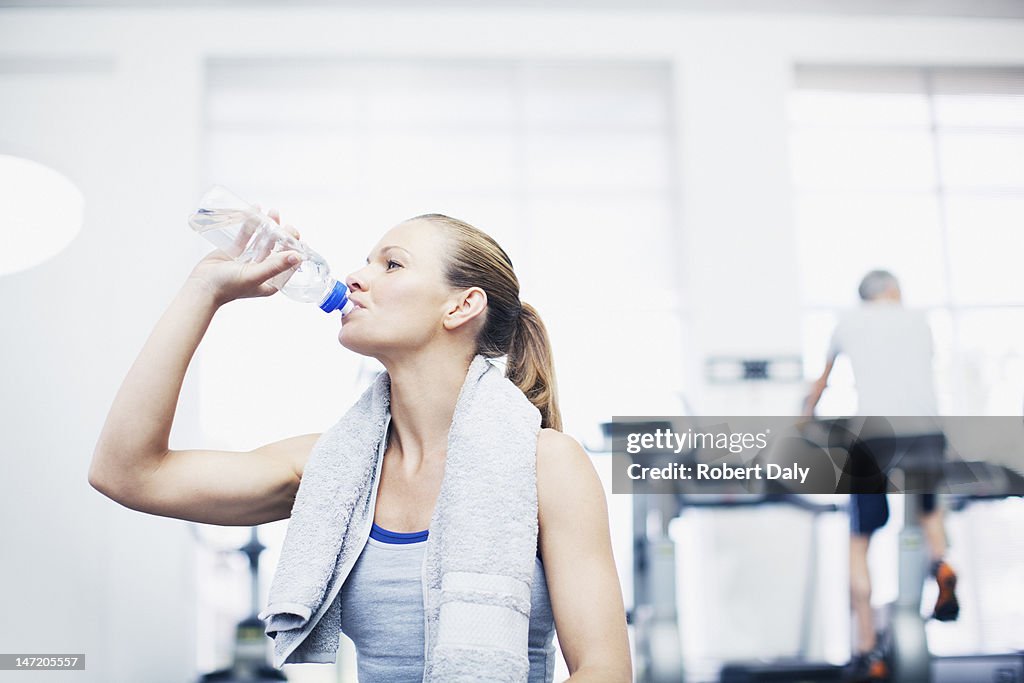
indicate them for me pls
(890, 350)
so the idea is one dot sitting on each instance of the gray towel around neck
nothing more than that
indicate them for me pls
(479, 559)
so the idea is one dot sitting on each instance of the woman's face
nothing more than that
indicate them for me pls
(400, 294)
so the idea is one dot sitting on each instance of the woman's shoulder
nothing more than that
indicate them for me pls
(560, 456)
(570, 494)
(551, 440)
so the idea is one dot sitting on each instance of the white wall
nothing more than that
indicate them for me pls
(82, 574)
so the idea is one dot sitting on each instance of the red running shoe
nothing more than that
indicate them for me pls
(946, 606)
(870, 667)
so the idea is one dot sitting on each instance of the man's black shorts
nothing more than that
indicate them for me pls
(869, 459)
(870, 511)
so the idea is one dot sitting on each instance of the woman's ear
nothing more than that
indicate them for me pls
(465, 307)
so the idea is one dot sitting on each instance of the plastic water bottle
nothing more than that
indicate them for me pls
(245, 234)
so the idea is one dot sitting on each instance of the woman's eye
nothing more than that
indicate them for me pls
(394, 263)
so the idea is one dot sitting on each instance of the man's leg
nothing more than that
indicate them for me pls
(947, 608)
(868, 512)
(860, 592)
(934, 533)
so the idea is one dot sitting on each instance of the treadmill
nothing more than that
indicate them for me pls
(659, 649)
(980, 482)
(654, 616)
(910, 658)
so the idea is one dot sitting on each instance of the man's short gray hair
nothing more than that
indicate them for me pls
(876, 283)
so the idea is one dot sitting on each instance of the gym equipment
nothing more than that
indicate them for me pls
(250, 663)
(798, 668)
(984, 482)
(923, 470)
(654, 616)
(655, 621)
(1007, 668)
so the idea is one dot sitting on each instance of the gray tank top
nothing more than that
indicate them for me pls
(382, 611)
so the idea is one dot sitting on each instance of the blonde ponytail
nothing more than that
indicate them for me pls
(511, 328)
(531, 366)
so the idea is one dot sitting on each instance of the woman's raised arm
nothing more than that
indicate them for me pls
(132, 463)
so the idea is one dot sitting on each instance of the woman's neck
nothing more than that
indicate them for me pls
(424, 391)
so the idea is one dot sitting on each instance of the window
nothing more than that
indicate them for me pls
(921, 172)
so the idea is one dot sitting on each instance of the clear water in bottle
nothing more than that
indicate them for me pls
(247, 235)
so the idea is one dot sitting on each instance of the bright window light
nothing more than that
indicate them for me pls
(920, 171)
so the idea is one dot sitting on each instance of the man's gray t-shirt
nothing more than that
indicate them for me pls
(890, 349)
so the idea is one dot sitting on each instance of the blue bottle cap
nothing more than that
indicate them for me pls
(337, 298)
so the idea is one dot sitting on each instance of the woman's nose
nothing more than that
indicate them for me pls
(355, 280)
